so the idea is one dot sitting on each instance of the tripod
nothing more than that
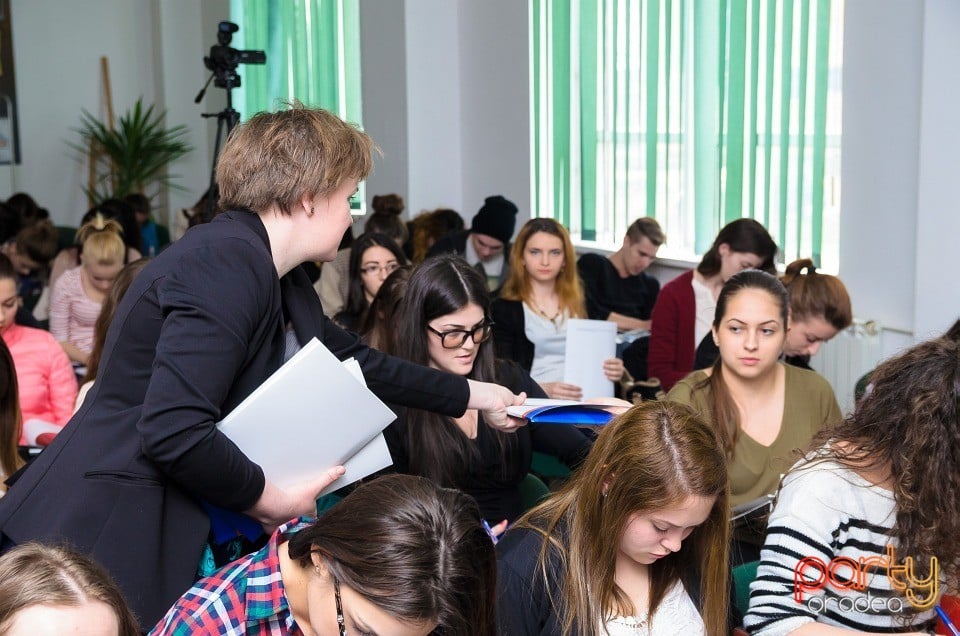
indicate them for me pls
(228, 118)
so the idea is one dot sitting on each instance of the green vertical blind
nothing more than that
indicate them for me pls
(313, 56)
(695, 112)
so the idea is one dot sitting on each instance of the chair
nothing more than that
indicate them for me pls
(532, 491)
(743, 576)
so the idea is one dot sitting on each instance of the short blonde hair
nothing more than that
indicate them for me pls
(279, 158)
(102, 241)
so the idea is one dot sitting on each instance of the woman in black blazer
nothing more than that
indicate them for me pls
(130, 478)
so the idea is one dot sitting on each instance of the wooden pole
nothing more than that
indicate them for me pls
(95, 151)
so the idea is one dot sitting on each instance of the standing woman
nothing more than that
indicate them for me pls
(79, 293)
(634, 543)
(373, 257)
(443, 322)
(685, 307)
(204, 324)
(541, 293)
(762, 409)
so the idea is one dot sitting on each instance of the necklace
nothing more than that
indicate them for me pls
(556, 319)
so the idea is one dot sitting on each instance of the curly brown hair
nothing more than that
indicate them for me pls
(908, 428)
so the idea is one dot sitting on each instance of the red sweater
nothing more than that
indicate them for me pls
(672, 346)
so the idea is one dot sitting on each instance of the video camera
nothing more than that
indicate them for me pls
(223, 58)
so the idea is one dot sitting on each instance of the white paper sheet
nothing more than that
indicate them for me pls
(310, 415)
(589, 343)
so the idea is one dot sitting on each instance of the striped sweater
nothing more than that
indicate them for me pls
(826, 511)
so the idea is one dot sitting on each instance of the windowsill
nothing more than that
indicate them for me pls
(664, 258)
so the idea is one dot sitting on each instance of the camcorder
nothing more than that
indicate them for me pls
(224, 59)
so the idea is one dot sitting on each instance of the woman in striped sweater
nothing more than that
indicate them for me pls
(881, 487)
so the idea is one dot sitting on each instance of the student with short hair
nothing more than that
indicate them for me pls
(887, 475)
(634, 542)
(617, 286)
(30, 252)
(399, 555)
(54, 590)
(685, 307)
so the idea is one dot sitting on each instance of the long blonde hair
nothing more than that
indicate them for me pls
(652, 457)
(568, 286)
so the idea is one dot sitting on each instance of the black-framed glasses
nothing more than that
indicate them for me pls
(340, 622)
(455, 338)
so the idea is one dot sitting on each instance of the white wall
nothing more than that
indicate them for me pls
(155, 50)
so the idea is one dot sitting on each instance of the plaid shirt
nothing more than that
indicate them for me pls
(245, 597)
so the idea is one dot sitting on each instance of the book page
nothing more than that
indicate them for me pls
(589, 343)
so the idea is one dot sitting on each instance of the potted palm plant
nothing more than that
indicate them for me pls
(134, 155)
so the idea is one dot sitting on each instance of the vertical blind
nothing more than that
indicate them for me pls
(695, 112)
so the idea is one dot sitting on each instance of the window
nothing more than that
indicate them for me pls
(313, 55)
(695, 112)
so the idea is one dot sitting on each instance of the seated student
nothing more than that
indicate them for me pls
(31, 252)
(379, 325)
(428, 228)
(423, 563)
(119, 287)
(47, 590)
(443, 322)
(880, 485)
(153, 236)
(762, 409)
(48, 386)
(333, 286)
(819, 309)
(10, 461)
(685, 307)
(373, 257)
(111, 209)
(540, 295)
(635, 542)
(617, 287)
(487, 242)
(79, 293)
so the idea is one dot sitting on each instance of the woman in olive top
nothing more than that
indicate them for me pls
(763, 409)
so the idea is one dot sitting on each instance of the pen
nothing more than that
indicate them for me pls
(493, 537)
(946, 621)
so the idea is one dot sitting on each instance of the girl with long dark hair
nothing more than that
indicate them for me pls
(373, 257)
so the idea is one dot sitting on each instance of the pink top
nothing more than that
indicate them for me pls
(72, 313)
(48, 386)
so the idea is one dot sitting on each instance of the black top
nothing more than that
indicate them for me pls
(200, 328)
(606, 292)
(484, 477)
(509, 333)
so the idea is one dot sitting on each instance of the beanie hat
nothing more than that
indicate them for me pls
(496, 218)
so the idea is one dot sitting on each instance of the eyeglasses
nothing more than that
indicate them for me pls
(389, 268)
(340, 622)
(455, 338)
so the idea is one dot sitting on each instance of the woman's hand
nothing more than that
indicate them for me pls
(562, 390)
(493, 400)
(613, 368)
(276, 506)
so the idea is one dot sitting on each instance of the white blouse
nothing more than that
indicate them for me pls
(676, 615)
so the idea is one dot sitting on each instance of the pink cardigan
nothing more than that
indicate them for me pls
(672, 346)
(48, 385)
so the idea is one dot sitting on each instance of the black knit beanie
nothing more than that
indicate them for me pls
(496, 218)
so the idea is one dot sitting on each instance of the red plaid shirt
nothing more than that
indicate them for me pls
(244, 597)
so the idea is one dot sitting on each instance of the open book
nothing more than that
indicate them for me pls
(752, 511)
(547, 411)
(312, 414)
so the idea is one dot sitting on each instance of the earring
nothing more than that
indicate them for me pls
(310, 213)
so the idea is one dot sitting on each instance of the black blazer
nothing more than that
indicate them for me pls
(199, 329)
(509, 335)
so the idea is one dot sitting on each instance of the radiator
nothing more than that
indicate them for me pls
(847, 357)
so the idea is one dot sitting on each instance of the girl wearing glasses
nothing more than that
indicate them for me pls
(424, 563)
(634, 543)
(541, 293)
(373, 257)
(443, 323)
